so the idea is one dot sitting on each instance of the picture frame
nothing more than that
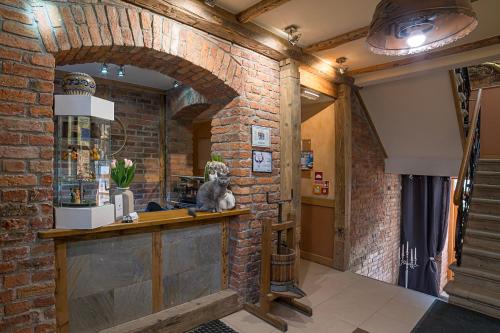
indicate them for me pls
(261, 136)
(306, 160)
(262, 161)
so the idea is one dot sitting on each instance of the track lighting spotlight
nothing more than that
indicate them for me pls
(293, 34)
(104, 68)
(121, 71)
(210, 3)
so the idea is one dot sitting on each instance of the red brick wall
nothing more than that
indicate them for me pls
(376, 205)
(26, 150)
(31, 37)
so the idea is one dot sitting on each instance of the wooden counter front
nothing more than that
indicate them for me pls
(157, 225)
(148, 221)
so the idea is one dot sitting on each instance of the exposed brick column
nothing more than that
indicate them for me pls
(231, 132)
(26, 152)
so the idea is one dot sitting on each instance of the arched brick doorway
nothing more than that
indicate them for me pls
(128, 36)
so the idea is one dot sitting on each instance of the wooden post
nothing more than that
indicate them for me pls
(62, 310)
(290, 122)
(342, 187)
(156, 272)
(163, 151)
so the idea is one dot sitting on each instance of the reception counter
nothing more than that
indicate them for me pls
(125, 271)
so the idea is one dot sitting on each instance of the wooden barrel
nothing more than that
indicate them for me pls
(282, 266)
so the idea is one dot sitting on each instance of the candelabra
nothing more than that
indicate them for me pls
(407, 258)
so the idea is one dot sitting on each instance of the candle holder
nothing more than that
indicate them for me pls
(407, 257)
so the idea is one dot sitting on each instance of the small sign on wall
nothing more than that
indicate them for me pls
(261, 136)
(262, 161)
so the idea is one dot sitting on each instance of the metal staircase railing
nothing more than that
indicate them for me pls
(463, 192)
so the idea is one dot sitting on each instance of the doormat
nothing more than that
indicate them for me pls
(444, 317)
(215, 326)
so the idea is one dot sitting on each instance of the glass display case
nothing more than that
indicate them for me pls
(82, 162)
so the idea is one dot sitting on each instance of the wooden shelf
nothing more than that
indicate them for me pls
(169, 219)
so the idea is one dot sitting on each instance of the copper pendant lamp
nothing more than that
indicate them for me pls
(401, 27)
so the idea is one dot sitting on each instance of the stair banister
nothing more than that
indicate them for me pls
(464, 166)
(463, 192)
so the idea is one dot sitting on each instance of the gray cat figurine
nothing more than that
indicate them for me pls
(210, 194)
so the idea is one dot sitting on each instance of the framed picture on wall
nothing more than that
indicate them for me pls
(261, 136)
(262, 161)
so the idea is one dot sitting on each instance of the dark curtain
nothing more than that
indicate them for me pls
(424, 224)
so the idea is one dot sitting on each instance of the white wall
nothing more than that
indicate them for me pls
(416, 121)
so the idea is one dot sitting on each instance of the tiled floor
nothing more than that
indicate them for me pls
(343, 302)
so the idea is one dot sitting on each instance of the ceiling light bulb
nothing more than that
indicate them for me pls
(416, 40)
(121, 71)
(104, 69)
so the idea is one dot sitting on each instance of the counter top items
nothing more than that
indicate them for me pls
(210, 194)
(82, 173)
(78, 84)
(215, 166)
(123, 173)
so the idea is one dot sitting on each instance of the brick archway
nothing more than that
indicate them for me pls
(126, 35)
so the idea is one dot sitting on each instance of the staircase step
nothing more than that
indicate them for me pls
(475, 297)
(485, 206)
(484, 222)
(474, 275)
(484, 239)
(486, 191)
(481, 258)
(488, 164)
(487, 177)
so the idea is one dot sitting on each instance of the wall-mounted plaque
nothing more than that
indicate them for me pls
(262, 161)
(261, 136)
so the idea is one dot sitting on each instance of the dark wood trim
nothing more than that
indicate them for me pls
(338, 40)
(156, 271)
(370, 121)
(62, 309)
(258, 9)
(148, 222)
(220, 23)
(458, 107)
(343, 175)
(428, 56)
(322, 202)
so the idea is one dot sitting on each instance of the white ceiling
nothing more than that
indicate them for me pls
(134, 75)
(322, 19)
(417, 124)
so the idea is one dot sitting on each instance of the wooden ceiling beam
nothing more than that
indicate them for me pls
(258, 9)
(428, 56)
(338, 40)
(220, 23)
